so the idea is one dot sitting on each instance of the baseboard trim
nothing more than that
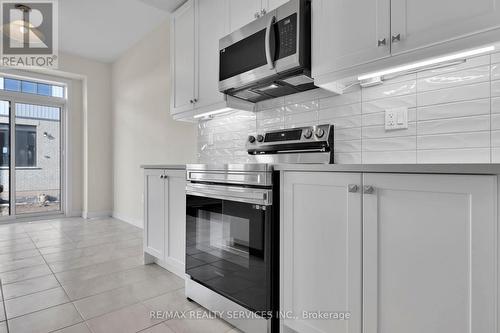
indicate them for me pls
(95, 215)
(135, 222)
(172, 266)
(76, 213)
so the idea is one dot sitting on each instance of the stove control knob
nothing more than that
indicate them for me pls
(260, 138)
(308, 133)
(320, 133)
(251, 139)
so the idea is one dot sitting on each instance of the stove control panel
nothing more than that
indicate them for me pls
(291, 136)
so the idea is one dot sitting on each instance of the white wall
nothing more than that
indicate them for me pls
(90, 133)
(143, 130)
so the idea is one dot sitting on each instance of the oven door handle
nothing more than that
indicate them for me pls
(255, 196)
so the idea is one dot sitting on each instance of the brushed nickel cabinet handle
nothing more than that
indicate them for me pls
(381, 42)
(353, 188)
(367, 189)
(396, 38)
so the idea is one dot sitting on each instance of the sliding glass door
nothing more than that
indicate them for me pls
(31, 148)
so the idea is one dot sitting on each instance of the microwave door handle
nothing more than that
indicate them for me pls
(269, 57)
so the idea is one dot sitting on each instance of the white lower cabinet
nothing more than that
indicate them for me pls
(165, 218)
(321, 251)
(429, 252)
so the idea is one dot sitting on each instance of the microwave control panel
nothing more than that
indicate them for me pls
(287, 36)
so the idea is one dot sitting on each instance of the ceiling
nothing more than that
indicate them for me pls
(104, 29)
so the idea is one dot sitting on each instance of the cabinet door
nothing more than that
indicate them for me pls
(182, 46)
(242, 12)
(346, 33)
(211, 27)
(422, 23)
(269, 5)
(321, 251)
(154, 213)
(430, 248)
(175, 232)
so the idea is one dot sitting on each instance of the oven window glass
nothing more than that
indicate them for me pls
(226, 249)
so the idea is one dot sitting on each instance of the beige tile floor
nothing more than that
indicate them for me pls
(76, 275)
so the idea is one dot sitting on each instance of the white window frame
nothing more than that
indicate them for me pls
(63, 103)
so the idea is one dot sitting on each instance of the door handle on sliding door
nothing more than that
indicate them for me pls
(269, 56)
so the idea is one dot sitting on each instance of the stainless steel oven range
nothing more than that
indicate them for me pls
(230, 250)
(232, 227)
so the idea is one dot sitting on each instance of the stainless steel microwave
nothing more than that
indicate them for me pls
(270, 57)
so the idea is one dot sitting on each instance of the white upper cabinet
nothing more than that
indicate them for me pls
(352, 37)
(182, 37)
(421, 23)
(242, 12)
(321, 250)
(430, 253)
(211, 27)
(348, 33)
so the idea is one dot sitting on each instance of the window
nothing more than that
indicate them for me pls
(25, 146)
(31, 87)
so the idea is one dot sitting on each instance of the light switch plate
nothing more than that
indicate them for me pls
(396, 118)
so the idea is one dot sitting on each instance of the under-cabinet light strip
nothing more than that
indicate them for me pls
(425, 63)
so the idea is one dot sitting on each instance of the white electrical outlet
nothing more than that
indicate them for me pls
(396, 118)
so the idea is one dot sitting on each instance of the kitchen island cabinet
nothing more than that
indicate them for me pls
(429, 251)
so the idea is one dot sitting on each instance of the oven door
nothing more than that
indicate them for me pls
(228, 246)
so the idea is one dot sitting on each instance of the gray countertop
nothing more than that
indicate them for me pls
(486, 169)
(164, 166)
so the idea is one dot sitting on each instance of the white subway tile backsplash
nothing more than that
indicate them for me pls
(455, 140)
(454, 110)
(409, 101)
(455, 94)
(347, 134)
(307, 96)
(348, 146)
(347, 158)
(495, 138)
(345, 99)
(340, 111)
(408, 143)
(389, 90)
(495, 58)
(373, 132)
(453, 79)
(495, 105)
(301, 107)
(296, 119)
(475, 155)
(372, 119)
(454, 117)
(390, 157)
(495, 155)
(454, 125)
(495, 121)
(344, 122)
(495, 88)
